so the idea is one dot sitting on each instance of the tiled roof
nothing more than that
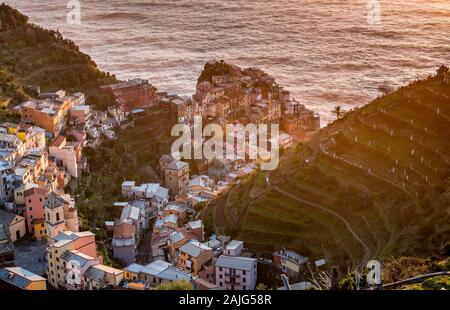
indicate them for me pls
(59, 141)
(195, 224)
(95, 274)
(6, 218)
(176, 236)
(194, 248)
(77, 256)
(234, 244)
(178, 165)
(173, 274)
(235, 262)
(14, 279)
(155, 267)
(34, 190)
(124, 230)
(167, 159)
(134, 268)
(54, 201)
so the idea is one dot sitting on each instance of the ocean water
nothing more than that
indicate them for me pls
(325, 52)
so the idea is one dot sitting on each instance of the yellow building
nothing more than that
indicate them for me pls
(132, 272)
(192, 256)
(39, 229)
(22, 278)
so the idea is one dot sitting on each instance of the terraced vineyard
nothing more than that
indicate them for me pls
(382, 173)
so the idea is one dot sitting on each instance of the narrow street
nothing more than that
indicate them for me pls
(145, 255)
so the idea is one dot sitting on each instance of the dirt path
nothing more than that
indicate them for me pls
(333, 213)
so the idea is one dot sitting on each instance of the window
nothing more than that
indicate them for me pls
(57, 216)
(40, 199)
(220, 268)
(220, 276)
(29, 200)
(31, 209)
(244, 280)
(243, 272)
(244, 287)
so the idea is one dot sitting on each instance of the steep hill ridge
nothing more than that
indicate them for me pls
(31, 55)
(383, 168)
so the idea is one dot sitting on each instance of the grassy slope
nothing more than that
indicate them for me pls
(390, 220)
(30, 55)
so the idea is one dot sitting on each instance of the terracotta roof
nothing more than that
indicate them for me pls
(59, 141)
(35, 190)
(124, 230)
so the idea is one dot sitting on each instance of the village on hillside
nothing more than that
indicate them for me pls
(158, 237)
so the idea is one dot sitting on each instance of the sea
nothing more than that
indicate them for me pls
(327, 53)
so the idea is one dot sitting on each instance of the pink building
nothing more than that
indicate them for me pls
(34, 205)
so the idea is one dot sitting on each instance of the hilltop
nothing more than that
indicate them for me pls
(373, 184)
(31, 55)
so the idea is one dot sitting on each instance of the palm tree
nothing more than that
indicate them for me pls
(338, 111)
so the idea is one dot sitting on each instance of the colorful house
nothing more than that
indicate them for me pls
(34, 199)
(39, 229)
(22, 278)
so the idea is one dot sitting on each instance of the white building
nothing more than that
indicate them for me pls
(65, 152)
(236, 273)
(234, 248)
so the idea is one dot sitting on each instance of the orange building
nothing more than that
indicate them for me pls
(135, 93)
(193, 256)
(47, 114)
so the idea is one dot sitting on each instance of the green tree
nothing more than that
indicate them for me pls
(338, 111)
(262, 287)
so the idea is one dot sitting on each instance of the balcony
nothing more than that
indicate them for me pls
(232, 280)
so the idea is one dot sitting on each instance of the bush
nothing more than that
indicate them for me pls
(445, 248)
(180, 285)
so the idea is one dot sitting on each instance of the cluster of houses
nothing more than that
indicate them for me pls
(245, 96)
(217, 263)
(58, 113)
(36, 171)
(179, 248)
(216, 176)
(38, 157)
